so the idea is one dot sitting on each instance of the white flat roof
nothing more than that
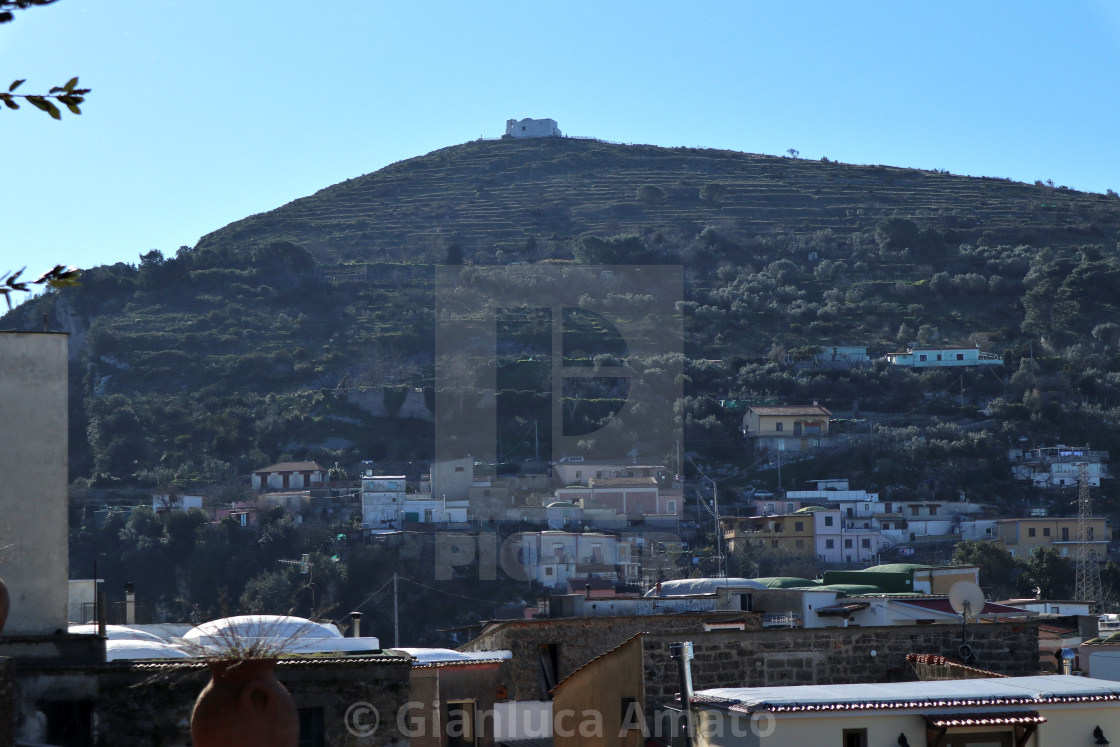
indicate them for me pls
(909, 695)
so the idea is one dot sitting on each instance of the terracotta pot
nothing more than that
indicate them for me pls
(5, 604)
(244, 705)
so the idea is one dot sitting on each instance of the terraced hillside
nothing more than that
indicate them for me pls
(297, 333)
(529, 198)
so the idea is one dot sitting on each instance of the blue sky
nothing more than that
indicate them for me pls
(205, 112)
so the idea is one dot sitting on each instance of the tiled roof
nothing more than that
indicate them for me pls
(293, 467)
(791, 410)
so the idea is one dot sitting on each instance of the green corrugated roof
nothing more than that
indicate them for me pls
(786, 582)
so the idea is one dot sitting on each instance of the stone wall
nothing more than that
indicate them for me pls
(578, 640)
(149, 705)
(829, 655)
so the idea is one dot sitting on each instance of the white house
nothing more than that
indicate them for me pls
(934, 356)
(1058, 466)
(166, 502)
(290, 476)
(551, 558)
(1039, 711)
(383, 500)
(532, 128)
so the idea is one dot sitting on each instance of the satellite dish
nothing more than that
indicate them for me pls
(966, 599)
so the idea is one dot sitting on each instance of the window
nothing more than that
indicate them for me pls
(579, 474)
(769, 508)
(800, 544)
(671, 506)
(428, 515)
(828, 521)
(933, 510)
(939, 356)
(847, 544)
(960, 356)
(922, 357)
(855, 738)
(311, 727)
(799, 526)
(1046, 531)
(1030, 532)
(779, 426)
(865, 543)
(829, 544)
(887, 508)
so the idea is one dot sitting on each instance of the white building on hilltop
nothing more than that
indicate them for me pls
(532, 128)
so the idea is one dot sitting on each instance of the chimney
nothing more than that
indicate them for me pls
(101, 612)
(356, 618)
(129, 603)
(682, 652)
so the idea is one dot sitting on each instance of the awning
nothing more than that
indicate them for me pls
(1024, 723)
(951, 720)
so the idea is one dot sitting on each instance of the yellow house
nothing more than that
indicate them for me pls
(788, 534)
(1022, 536)
(788, 427)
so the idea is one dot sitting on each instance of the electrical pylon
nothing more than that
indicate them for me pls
(1088, 568)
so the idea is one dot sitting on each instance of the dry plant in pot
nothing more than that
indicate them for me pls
(244, 704)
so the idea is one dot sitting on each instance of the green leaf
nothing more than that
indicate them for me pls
(8, 102)
(16, 85)
(53, 110)
(71, 84)
(38, 102)
(72, 107)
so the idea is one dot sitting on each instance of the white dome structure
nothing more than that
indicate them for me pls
(271, 635)
(131, 648)
(117, 633)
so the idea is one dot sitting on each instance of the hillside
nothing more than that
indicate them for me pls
(298, 333)
(529, 198)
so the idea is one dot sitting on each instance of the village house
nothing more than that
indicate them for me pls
(1058, 466)
(933, 356)
(553, 558)
(787, 427)
(290, 476)
(1022, 536)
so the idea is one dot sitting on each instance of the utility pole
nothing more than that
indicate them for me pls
(396, 618)
(719, 531)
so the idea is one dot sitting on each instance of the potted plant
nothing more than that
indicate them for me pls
(244, 704)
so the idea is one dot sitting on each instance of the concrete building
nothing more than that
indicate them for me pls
(532, 128)
(552, 558)
(33, 492)
(932, 356)
(1022, 536)
(787, 427)
(1058, 466)
(383, 499)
